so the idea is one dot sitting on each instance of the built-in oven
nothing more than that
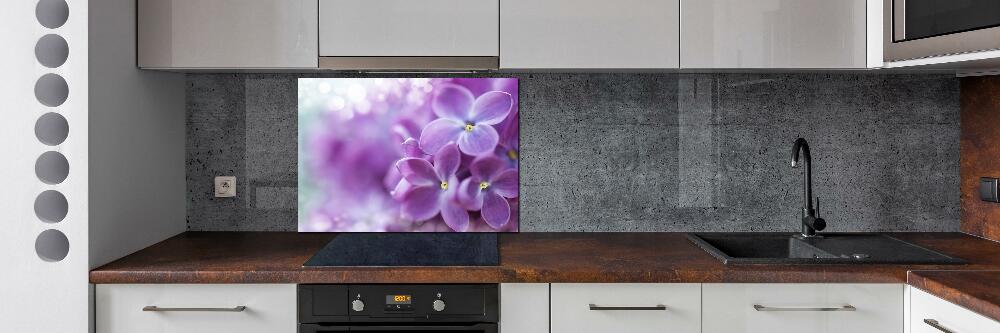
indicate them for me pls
(928, 28)
(386, 308)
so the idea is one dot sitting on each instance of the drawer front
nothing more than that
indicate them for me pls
(571, 310)
(946, 315)
(269, 308)
(730, 308)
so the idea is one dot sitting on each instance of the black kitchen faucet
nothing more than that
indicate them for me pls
(810, 221)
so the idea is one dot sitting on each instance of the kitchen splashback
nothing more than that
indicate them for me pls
(639, 152)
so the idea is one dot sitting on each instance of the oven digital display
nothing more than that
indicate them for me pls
(398, 299)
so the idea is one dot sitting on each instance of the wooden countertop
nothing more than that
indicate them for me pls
(277, 257)
(978, 291)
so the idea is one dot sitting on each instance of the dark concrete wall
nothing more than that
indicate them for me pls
(640, 152)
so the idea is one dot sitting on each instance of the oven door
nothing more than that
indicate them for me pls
(474, 328)
(916, 29)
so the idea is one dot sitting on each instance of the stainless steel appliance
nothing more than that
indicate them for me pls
(468, 308)
(916, 29)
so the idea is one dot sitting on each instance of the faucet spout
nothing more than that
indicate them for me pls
(810, 222)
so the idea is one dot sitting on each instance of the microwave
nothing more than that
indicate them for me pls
(915, 29)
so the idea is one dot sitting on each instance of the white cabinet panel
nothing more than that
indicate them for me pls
(571, 310)
(947, 315)
(228, 33)
(729, 308)
(269, 308)
(773, 34)
(407, 28)
(524, 308)
(589, 34)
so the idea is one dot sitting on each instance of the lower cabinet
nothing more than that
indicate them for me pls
(626, 307)
(930, 314)
(817, 308)
(524, 307)
(195, 308)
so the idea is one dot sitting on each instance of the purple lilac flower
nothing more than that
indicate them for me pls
(433, 188)
(488, 188)
(508, 147)
(466, 120)
(393, 181)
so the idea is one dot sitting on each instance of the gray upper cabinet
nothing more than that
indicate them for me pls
(774, 34)
(193, 34)
(589, 34)
(399, 34)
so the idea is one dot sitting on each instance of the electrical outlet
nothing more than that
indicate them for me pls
(225, 187)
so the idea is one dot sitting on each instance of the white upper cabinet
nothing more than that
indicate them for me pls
(408, 28)
(227, 33)
(775, 34)
(582, 34)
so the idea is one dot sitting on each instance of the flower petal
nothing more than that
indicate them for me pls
(452, 101)
(439, 133)
(505, 184)
(496, 210)
(477, 86)
(411, 148)
(392, 178)
(481, 140)
(401, 190)
(418, 172)
(491, 108)
(486, 167)
(454, 215)
(422, 203)
(446, 161)
(470, 195)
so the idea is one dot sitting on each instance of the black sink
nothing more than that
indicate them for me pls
(786, 248)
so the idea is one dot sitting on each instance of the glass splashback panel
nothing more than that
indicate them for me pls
(408, 155)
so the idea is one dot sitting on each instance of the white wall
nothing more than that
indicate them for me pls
(137, 188)
(125, 149)
(38, 295)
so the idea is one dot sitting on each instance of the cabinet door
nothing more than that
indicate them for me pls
(407, 28)
(773, 34)
(589, 34)
(189, 308)
(626, 307)
(930, 314)
(524, 308)
(817, 308)
(227, 33)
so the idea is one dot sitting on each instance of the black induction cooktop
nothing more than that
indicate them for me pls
(408, 249)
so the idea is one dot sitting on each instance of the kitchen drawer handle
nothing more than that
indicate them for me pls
(154, 308)
(935, 324)
(848, 307)
(660, 307)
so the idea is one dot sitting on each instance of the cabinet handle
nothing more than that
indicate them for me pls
(154, 308)
(660, 307)
(848, 307)
(935, 324)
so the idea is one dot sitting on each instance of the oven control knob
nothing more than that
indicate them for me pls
(438, 305)
(358, 305)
